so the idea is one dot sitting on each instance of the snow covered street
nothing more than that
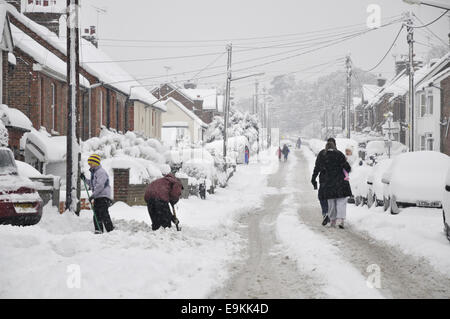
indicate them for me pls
(261, 237)
(132, 261)
(291, 255)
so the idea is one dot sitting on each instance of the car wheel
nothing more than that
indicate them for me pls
(386, 202)
(394, 207)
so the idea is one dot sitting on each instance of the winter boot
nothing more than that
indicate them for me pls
(341, 225)
(326, 220)
(333, 223)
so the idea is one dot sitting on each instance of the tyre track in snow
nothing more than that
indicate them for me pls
(266, 271)
(402, 276)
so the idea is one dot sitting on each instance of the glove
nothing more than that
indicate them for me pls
(314, 183)
(83, 177)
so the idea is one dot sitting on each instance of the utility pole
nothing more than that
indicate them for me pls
(73, 79)
(410, 39)
(227, 102)
(349, 93)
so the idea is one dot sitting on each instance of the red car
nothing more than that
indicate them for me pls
(20, 203)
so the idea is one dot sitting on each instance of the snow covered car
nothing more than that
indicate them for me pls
(446, 205)
(374, 180)
(416, 179)
(20, 204)
(358, 183)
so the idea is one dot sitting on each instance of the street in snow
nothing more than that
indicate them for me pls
(305, 158)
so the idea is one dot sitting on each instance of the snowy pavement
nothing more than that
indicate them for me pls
(62, 258)
(261, 237)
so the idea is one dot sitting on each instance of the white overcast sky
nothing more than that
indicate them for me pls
(181, 20)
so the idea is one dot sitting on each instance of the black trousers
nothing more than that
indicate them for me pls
(101, 206)
(160, 214)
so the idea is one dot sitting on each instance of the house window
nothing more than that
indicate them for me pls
(430, 102)
(422, 142)
(423, 106)
(429, 141)
(54, 109)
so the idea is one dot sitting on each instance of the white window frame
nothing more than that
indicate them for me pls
(430, 105)
(422, 104)
(429, 137)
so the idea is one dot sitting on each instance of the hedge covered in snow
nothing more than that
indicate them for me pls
(240, 124)
(145, 157)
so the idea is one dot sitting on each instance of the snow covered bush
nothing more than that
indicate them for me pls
(4, 138)
(240, 124)
(145, 157)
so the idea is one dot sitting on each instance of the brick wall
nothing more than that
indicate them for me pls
(445, 113)
(15, 134)
(165, 89)
(121, 184)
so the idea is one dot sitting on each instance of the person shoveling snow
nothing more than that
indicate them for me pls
(158, 195)
(101, 194)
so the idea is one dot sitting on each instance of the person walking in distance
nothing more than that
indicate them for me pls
(285, 152)
(101, 194)
(158, 195)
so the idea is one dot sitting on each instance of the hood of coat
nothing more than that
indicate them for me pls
(172, 178)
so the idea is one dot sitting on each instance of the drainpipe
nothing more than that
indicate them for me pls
(93, 86)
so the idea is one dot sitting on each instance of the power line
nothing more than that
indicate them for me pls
(426, 25)
(299, 46)
(239, 39)
(429, 30)
(337, 41)
(387, 52)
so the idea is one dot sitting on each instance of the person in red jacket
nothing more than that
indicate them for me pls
(158, 195)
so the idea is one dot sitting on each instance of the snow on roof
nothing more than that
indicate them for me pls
(356, 102)
(14, 117)
(12, 58)
(41, 54)
(401, 86)
(392, 86)
(2, 20)
(208, 96)
(106, 71)
(175, 124)
(438, 77)
(52, 147)
(369, 91)
(187, 111)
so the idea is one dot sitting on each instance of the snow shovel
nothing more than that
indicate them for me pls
(175, 219)
(90, 203)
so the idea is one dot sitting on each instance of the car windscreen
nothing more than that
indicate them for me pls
(7, 164)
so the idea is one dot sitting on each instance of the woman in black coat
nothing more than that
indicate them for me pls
(335, 189)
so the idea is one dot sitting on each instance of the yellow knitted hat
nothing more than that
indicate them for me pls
(94, 159)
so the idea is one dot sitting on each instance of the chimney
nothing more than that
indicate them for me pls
(400, 66)
(90, 34)
(190, 85)
(381, 81)
(44, 12)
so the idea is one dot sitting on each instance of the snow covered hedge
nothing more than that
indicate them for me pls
(145, 157)
(240, 124)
